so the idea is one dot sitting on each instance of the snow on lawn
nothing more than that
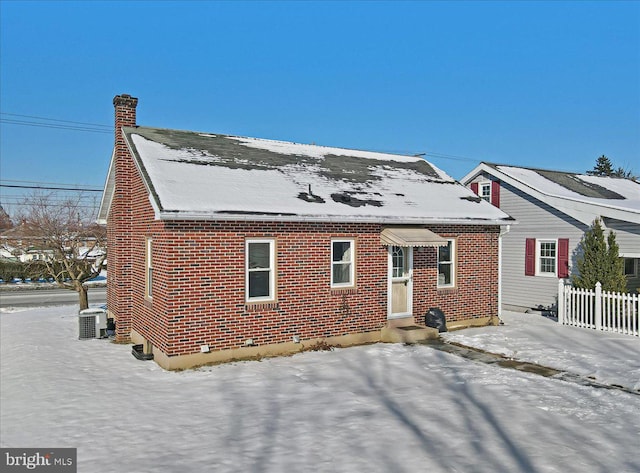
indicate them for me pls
(609, 358)
(376, 408)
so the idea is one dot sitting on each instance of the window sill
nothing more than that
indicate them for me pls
(338, 291)
(447, 289)
(258, 306)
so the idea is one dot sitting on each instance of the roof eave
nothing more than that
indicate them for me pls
(213, 216)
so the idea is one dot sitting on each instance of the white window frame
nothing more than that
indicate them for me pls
(272, 269)
(539, 243)
(148, 263)
(481, 188)
(452, 262)
(351, 262)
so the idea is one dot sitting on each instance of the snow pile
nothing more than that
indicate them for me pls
(377, 408)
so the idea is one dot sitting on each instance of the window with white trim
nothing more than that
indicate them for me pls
(485, 191)
(148, 285)
(630, 267)
(260, 269)
(446, 264)
(546, 262)
(343, 263)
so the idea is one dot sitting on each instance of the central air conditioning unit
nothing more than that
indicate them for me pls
(92, 323)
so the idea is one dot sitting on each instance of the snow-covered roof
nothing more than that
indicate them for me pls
(203, 176)
(580, 195)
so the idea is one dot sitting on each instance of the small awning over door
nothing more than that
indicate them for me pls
(410, 236)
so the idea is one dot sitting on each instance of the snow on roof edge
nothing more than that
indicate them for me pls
(210, 216)
(498, 169)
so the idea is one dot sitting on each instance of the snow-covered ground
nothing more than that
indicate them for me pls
(608, 358)
(376, 408)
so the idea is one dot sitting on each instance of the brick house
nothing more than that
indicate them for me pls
(224, 247)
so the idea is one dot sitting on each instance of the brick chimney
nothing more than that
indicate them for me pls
(120, 222)
(125, 106)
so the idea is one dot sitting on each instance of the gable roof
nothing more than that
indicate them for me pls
(581, 196)
(202, 176)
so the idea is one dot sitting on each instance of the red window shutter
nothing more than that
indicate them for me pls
(530, 257)
(563, 257)
(474, 187)
(495, 193)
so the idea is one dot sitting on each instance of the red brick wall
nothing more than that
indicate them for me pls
(199, 282)
(199, 293)
(475, 294)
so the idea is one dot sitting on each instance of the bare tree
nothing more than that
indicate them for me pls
(71, 245)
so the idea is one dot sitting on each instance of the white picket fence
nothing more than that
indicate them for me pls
(597, 309)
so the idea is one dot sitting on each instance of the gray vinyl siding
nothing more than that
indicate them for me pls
(627, 235)
(535, 220)
(628, 239)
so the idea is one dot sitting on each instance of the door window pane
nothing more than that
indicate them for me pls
(398, 261)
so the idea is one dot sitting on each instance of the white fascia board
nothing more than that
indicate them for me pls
(472, 174)
(157, 213)
(107, 193)
(144, 177)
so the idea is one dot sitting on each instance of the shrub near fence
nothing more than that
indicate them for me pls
(598, 309)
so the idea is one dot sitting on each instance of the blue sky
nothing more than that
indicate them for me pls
(542, 84)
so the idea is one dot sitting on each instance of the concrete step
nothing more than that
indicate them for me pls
(408, 333)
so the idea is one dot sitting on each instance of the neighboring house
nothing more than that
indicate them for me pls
(553, 210)
(21, 243)
(25, 243)
(223, 246)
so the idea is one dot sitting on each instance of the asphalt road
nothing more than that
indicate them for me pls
(47, 297)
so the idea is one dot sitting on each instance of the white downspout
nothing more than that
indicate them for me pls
(504, 229)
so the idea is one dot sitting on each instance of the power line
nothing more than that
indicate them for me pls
(453, 157)
(54, 126)
(42, 183)
(62, 195)
(51, 198)
(50, 188)
(56, 120)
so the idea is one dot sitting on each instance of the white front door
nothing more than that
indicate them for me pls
(400, 287)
